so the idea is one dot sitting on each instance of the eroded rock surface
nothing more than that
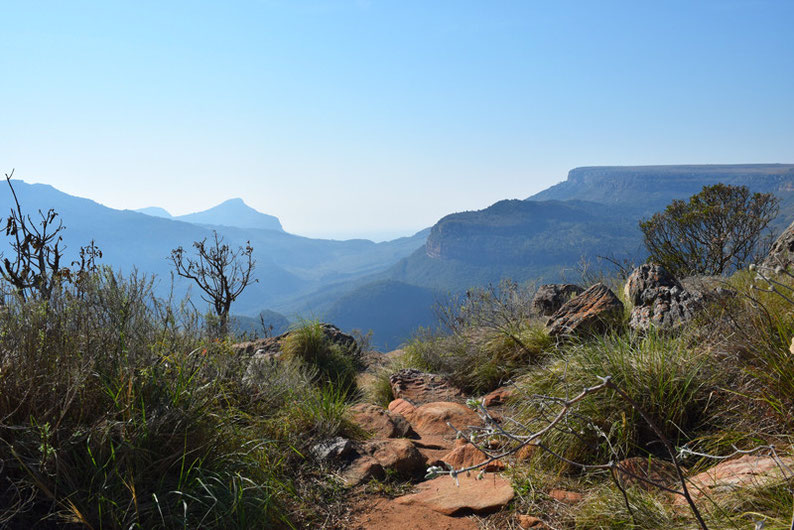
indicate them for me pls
(432, 419)
(659, 299)
(444, 496)
(380, 422)
(419, 388)
(594, 311)
(782, 252)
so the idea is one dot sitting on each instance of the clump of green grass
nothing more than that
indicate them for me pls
(675, 386)
(309, 345)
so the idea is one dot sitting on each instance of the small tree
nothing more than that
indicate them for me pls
(35, 266)
(222, 273)
(718, 230)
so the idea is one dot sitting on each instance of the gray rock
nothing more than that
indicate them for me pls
(552, 296)
(782, 252)
(659, 299)
(594, 311)
(334, 450)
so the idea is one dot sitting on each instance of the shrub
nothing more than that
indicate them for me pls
(308, 344)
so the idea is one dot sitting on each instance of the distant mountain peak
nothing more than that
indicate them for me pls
(233, 212)
(155, 211)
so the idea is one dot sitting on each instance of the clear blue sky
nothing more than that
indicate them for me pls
(378, 117)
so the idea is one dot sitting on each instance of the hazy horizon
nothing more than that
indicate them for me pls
(354, 118)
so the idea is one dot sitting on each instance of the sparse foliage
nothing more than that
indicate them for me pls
(220, 272)
(718, 230)
(37, 247)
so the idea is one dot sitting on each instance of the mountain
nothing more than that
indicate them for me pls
(393, 310)
(155, 211)
(236, 213)
(287, 266)
(595, 212)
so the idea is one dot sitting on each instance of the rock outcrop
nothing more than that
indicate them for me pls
(552, 296)
(434, 419)
(419, 388)
(444, 496)
(594, 311)
(659, 299)
(380, 422)
(272, 346)
(782, 252)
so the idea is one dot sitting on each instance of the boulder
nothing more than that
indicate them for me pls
(403, 408)
(398, 455)
(379, 422)
(363, 470)
(419, 388)
(431, 419)
(550, 297)
(633, 470)
(468, 455)
(334, 450)
(593, 311)
(730, 476)
(782, 252)
(443, 495)
(659, 299)
(498, 396)
(273, 345)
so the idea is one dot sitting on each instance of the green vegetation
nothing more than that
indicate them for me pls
(718, 230)
(335, 365)
(119, 412)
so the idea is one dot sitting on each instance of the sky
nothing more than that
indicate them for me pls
(377, 118)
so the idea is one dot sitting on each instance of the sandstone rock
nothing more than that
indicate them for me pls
(433, 448)
(273, 345)
(565, 496)
(551, 297)
(498, 396)
(334, 450)
(530, 522)
(379, 422)
(593, 311)
(397, 454)
(442, 495)
(419, 388)
(403, 408)
(659, 299)
(653, 469)
(468, 455)
(363, 470)
(431, 419)
(386, 514)
(782, 252)
(733, 475)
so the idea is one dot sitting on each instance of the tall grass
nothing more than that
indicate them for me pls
(118, 411)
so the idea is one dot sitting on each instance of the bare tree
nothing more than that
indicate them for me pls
(35, 267)
(220, 272)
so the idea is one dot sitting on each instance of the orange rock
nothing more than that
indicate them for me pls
(398, 454)
(527, 522)
(402, 407)
(468, 455)
(565, 496)
(386, 514)
(431, 418)
(373, 419)
(444, 496)
(526, 453)
(420, 387)
(498, 396)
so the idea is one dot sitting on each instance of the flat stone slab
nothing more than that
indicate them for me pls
(442, 495)
(386, 514)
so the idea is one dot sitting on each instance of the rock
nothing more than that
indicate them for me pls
(397, 454)
(386, 514)
(659, 299)
(498, 396)
(431, 419)
(403, 408)
(273, 345)
(419, 388)
(653, 469)
(363, 470)
(782, 252)
(565, 496)
(334, 450)
(550, 297)
(442, 495)
(434, 449)
(467, 455)
(527, 522)
(733, 475)
(593, 311)
(378, 422)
